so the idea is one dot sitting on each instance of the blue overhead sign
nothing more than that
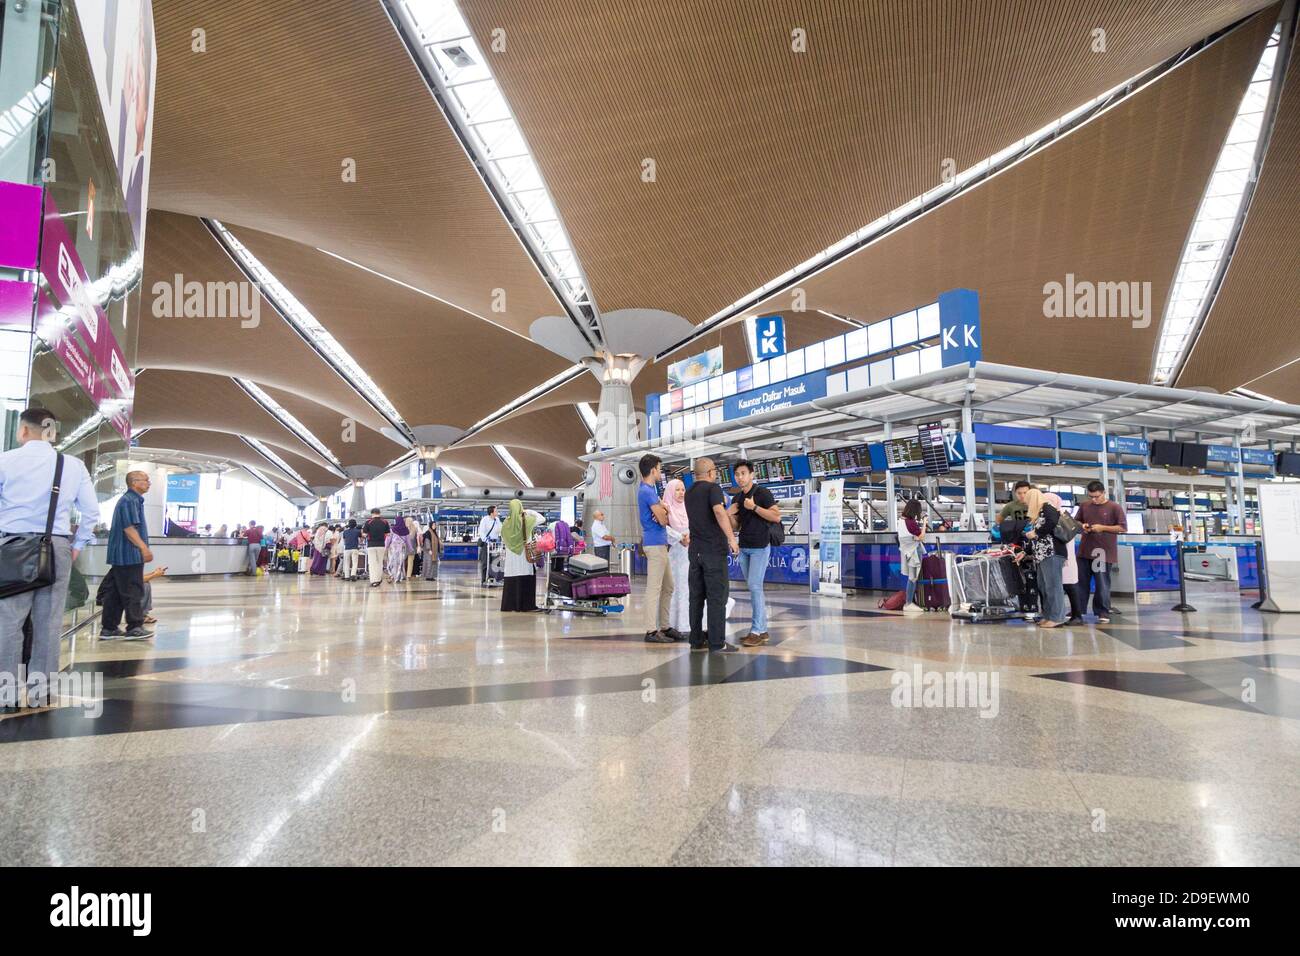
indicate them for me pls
(183, 489)
(794, 391)
(769, 332)
(1124, 445)
(959, 327)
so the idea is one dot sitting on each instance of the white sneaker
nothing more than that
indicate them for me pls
(913, 609)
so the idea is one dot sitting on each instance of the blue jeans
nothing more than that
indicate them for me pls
(1051, 589)
(753, 564)
(910, 591)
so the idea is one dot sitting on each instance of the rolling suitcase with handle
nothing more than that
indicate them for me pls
(934, 583)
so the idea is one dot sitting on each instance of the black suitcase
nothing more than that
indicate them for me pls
(562, 582)
(287, 564)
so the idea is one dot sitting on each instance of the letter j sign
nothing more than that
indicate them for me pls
(770, 333)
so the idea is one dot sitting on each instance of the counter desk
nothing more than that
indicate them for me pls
(183, 557)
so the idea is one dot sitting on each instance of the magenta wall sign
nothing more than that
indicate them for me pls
(20, 225)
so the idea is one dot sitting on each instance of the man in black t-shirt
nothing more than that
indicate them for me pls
(711, 538)
(376, 531)
(754, 510)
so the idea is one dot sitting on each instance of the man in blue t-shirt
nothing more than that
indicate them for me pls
(654, 542)
(128, 552)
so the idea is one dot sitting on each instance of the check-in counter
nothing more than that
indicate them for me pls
(1149, 562)
(871, 559)
(182, 557)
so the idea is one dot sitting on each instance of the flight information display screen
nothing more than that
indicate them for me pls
(903, 453)
(822, 463)
(853, 459)
(773, 469)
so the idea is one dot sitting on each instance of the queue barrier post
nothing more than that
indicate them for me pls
(1182, 604)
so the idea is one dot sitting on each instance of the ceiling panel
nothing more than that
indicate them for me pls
(1252, 327)
(763, 156)
(260, 128)
(479, 463)
(437, 364)
(1110, 202)
(265, 349)
(350, 441)
(218, 445)
(548, 471)
(170, 399)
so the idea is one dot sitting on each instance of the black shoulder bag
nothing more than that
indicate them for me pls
(27, 561)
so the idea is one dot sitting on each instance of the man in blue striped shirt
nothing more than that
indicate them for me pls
(26, 480)
(128, 553)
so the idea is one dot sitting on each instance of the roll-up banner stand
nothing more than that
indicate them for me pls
(1279, 513)
(829, 580)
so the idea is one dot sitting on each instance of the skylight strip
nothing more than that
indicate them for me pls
(448, 473)
(307, 325)
(442, 44)
(965, 180)
(513, 465)
(588, 416)
(1212, 238)
(282, 415)
(279, 462)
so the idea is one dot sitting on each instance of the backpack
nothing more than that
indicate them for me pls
(894, 602)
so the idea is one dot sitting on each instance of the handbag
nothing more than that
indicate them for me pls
(27, 561)
(1066, 528)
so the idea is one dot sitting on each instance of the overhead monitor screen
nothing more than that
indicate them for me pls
(903, 453)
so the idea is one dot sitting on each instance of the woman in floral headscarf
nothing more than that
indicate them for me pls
(679, 562)
(395, 556)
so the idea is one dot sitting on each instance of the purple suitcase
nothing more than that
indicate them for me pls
(601, 586)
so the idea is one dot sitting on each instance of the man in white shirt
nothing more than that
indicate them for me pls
(489, 530)
(26, 480)
(601, 539)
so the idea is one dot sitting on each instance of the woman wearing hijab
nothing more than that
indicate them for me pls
(432, 542)
(679, 561)
(413, 531)
(1070, 569)
(395, 557)
(320, 549)
(1048, 555)
(520, 590)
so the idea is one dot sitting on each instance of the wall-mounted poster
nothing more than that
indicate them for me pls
(695, 369)
(120, 41)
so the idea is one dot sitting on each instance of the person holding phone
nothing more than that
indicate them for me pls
(1102, 521)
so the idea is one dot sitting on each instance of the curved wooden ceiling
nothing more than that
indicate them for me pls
(1111, 201)
(765, 156)
(255, 131)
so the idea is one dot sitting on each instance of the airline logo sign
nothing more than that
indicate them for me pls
(770, 333)
(75, 295)
(959, 326)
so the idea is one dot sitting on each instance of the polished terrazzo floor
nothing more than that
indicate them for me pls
(299, 720)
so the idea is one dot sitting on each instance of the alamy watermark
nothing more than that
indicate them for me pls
(61, 689)
(179, 299)
(977, 689)
(1085, 299)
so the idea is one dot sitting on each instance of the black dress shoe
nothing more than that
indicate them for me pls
(675, 634)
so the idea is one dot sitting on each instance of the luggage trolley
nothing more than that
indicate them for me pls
(990, 586)
(602, 595)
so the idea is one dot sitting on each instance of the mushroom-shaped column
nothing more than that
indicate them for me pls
(632, 337)
(430, 442)
(359, 475)
(301, 502)
(322, 493)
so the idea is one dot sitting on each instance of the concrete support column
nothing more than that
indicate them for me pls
(357, 504)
